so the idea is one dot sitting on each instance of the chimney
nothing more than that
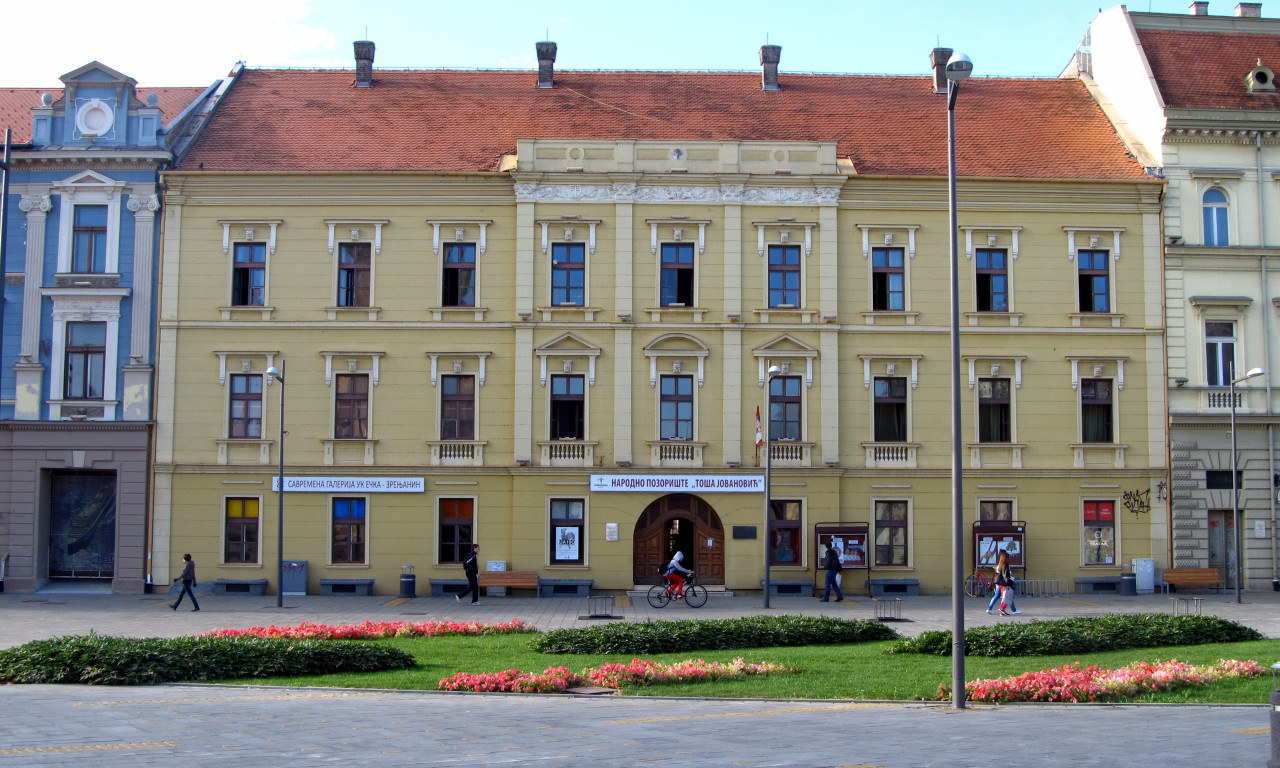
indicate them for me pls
(1199, 8)
(546, 64)
(364, 63)
(1249, 10)
(938, 59)
(769, 57)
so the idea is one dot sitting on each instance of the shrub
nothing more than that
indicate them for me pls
(1076, 683)
(710, 634)
(372, 630)
(103, 660)
(1083, 634)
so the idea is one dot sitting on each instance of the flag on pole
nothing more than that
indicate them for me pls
(759, 433)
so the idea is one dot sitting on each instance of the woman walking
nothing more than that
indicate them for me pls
(1004, 581)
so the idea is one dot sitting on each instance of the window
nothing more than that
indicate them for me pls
(891, 533)
(566, 531)
(1095, 283)
(568, 275)
(1095, 411)
(784, 546)
(890, 409)
(241, 534)
(784, 408)
(992, 273)
(1220, 479)
(784, 276)
(1219, 352)
(995, 511)
(89, 244)
(888, 279)
(249, 275)
(351, 406)
(86, 352)
(1215, 218)
(1099, 532)
(677, 275)
(459, 279)
(246, 406)
(993, 411)
(457, 408)
(568, 408)
(676, 408)
(457, 524)
(348, 531)
(355, 274)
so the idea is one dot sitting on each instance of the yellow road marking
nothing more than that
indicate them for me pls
(798, 710)
(88, 748)
(397, 601)
(220, 699)
(1260, 731)
(1071, 600)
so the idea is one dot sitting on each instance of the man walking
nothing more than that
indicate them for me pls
(188, 579)
(834, 567)
(472, 568)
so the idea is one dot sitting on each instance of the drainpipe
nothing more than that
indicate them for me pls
(1266, 338)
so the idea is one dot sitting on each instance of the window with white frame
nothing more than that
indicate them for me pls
(995, 409)
(786, 408)
(89, 244)
(455, 529)
(889, 415)
(1094, 280)
(1216, 211)
(89, 223)
(1219, 352)
(355, 275)
(1096, 411)
(567, 529)
(891, 532)
(458, 281)
(457, 407)
(568, 407)
(249, 275)
(348, 532)
(1099, 532)
(568, 275)
(995, 511)
(991, 276)
(244, 418)
(785, 531)
(240, 530)
(676, 280)
(784, 276)
(675, 407)
(351, 406)
(888, 279)
(86, 351)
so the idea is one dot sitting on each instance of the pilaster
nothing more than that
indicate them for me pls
(732, 412)
(522, 423)
(829, 392)
(622, 394)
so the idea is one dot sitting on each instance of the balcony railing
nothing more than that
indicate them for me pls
(675, 453)
(568, 453)
(457, 453)
(891, 455)
(789, 453)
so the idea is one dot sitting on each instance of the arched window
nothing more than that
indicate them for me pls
(1215, 217)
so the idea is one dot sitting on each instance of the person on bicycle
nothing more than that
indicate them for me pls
(673, 574)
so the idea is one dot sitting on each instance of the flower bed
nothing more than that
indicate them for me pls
(639, 671)
(1075, 684)
(369, 630)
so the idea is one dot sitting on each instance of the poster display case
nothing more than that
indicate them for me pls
(849, 540)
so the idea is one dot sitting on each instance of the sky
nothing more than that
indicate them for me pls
(193, 43)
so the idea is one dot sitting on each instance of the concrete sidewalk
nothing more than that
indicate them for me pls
(25, 617)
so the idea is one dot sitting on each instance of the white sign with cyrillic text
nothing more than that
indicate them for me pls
(677, 483)
(350, 484)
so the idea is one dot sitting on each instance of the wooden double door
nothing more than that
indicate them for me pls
(679, 522)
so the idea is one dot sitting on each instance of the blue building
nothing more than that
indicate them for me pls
(79, 249)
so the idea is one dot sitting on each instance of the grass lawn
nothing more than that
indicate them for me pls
(856, 671)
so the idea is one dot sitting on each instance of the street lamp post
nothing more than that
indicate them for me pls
(958, 68)
(768, 479)
(1235, 479)
(278, 375)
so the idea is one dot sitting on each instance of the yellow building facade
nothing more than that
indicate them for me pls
(562, 358)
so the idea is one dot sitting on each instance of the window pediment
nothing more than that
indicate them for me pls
(678, 231)
(888, 364)
(568, 346)
(889, 233)
(783, 350)
(785, 228)
(355, 226)
(677, 346)
(1097, 367)
(244, 363)
(1092, 237)
(352, 362)
(571, 227)
(998, 367)
(992, 237)
(457, 364)
(251, 233)
(462, 228)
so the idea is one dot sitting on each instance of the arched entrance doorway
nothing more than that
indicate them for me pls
(679, 522)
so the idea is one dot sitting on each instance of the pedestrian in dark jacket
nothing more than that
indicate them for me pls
(188, 579)
(834, 566)
(472, 568)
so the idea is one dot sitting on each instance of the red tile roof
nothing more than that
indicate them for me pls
(16, 104)
(1206, 70)
(281, 120)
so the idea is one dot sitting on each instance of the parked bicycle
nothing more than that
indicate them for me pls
(980, 584)
(695, 595)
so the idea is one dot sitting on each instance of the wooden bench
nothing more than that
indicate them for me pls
(1192, 577)
(511, 579)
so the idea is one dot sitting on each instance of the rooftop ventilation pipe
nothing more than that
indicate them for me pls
(364, 63)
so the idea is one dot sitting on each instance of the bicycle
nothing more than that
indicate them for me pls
(695, 595)
(979, 584)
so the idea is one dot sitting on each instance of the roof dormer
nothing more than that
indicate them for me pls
(99, 108)
(1260, 79)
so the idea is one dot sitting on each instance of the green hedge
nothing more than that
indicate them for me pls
(1083, 634)
(101, 660)
(710, 634)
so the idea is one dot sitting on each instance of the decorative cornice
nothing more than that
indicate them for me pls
(725, 193)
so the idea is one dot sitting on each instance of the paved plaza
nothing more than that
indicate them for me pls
(252, 726)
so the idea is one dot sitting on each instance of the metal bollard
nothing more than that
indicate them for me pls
(408, 582)
(1274, 762)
